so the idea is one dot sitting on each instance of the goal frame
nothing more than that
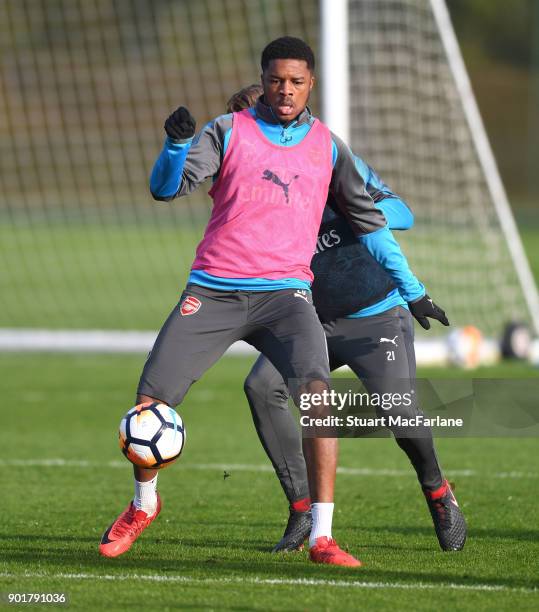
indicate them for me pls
(336, 114)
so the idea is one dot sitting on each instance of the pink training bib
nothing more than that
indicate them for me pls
(267, 205)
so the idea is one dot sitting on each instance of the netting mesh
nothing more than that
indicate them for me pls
(408, 121)
(85, 86)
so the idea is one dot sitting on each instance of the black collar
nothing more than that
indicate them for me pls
(265, 112)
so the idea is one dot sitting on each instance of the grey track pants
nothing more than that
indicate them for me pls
(282, 325)
(357, 343)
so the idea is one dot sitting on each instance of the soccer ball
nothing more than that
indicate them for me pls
(152, 435)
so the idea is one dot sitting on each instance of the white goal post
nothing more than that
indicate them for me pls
(487, 160)
(395, 83)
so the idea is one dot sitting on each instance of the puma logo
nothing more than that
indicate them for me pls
(268, 175)
(392, 341)
(301, 294)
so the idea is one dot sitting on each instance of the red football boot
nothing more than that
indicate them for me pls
(126, 529)
(326, 550)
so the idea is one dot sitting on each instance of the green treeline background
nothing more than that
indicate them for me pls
(500, 44)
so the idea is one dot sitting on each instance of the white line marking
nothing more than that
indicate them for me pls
(245, 467)
(357, 584)
(431, 351)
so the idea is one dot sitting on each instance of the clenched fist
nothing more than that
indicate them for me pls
(181, 124)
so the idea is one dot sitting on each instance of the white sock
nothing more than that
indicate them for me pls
(146, 496)
(322, 519)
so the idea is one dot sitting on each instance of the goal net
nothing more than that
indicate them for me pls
(85, 86)
(414, 118)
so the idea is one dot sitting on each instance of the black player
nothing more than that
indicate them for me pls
(272, 167)
(368, 327)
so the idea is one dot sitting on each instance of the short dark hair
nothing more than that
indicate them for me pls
(244, 98)
(287, 47)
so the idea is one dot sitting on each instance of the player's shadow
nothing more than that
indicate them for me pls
(294, 566)
(525, 535)
(48, 538)
(33, 548)
(188, 543)
(466, 578)
(218, 543)
(276, 524)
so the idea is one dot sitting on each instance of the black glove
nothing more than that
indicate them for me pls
(181, 124)
(424, 307)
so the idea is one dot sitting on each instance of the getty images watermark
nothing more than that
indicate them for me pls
(383, 401)
(457, 407)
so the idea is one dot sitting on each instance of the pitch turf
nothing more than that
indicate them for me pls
(90, 276)
(64, 480)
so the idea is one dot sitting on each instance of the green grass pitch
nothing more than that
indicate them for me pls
(209, 548)
(84, 276)
(64, 479)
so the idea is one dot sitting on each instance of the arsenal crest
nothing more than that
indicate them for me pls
(190, 305)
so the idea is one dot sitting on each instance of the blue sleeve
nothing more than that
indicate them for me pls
(374, 179)
(397, 213)
(386, 251)
(166, 175)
